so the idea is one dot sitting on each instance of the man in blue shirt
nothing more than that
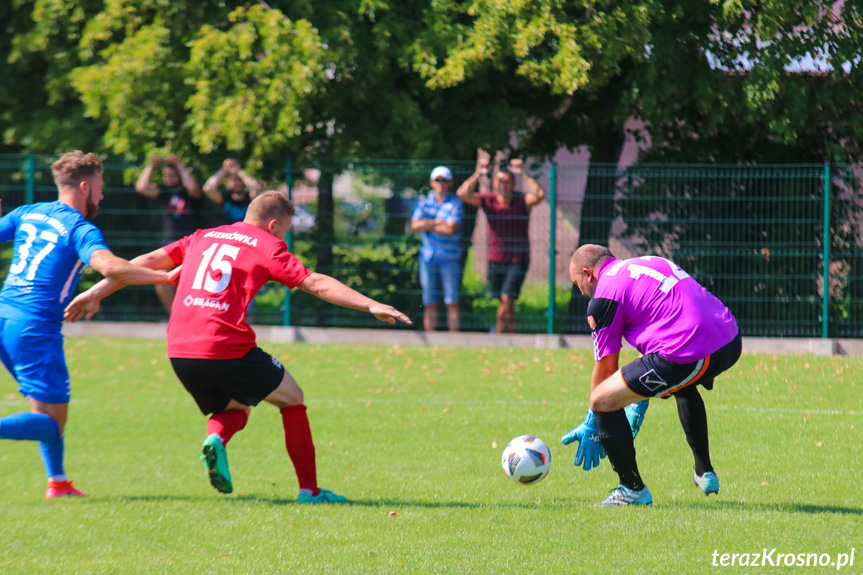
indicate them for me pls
(53, 242)
(438, 217)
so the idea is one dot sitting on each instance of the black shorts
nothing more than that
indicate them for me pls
(506, 278)
(213, 383)
(655, 376)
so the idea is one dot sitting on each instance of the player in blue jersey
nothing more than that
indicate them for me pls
(53, 242)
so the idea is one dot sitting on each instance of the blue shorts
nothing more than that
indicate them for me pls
(440, 279)
(506, 278)
(33, 354)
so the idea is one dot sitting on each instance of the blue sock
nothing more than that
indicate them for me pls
(52, 456)
(29, 426)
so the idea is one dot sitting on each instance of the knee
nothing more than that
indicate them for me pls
(296, 397)
(601, 402)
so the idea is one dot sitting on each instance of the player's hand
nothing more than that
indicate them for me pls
(83, 306)
(173, 159)
(635, 414)
(590, 451)
(516, 166)
(389, 314)
(174, 275)
(156, 160)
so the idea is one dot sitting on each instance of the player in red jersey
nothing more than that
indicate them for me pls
(212, 348)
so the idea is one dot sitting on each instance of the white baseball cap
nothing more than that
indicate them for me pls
(441, 172)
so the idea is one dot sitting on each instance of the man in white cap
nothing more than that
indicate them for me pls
(438, 217)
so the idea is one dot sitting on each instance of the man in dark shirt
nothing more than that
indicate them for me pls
(508, 215)
(181, 200)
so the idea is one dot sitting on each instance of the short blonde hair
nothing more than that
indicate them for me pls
(268, 206)
(73, 167)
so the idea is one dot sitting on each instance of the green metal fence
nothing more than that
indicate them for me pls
(756, 236)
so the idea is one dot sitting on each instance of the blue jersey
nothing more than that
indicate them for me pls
(436, 247)
(53, 242)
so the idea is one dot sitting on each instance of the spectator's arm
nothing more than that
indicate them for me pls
(467, 191)
(252, 183)
(535, 193)
(144, 186)
(189, 181)
(211, 187)
(444, 227)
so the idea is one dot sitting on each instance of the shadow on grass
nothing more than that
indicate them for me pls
(737, 506)
(282, 501)
(780, 507)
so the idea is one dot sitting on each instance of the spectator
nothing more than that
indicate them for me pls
(240, 190)
(180, 196)
(438, 217)
(508, 213)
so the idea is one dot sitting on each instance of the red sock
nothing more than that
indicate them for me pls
(227, 423)
(301, 449)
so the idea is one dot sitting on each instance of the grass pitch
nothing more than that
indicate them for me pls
(413, 436)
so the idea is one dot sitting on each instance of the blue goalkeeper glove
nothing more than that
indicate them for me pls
(635, 414)
(590, 451)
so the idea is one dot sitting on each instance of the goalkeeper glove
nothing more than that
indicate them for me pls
(635, 414)
(590, 451)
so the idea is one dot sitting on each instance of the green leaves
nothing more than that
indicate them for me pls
(254, 82)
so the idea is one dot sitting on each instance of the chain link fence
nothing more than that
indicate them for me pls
(757, 237)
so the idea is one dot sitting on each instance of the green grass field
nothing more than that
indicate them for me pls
(413, 436)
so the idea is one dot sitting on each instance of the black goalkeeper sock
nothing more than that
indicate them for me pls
(693, 419)
(615, 435)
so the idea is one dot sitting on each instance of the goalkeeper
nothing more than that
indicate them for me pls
(686, 337)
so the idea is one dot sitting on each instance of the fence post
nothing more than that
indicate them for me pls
(30, 190)
(289, 181)
(825, 297)
(552, 251)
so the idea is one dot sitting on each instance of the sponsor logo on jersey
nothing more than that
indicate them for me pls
(204, 302)
(235, 236)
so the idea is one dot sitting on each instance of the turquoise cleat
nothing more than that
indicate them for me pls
(708, 482)
(216, 458)
(323, 496)
(623, 496)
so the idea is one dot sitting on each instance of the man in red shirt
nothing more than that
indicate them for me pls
(508, 215)
(212, 348)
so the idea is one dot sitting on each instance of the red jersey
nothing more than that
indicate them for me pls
(508, 239)
(223, 269)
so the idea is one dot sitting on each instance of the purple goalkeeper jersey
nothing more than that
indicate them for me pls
(658, 308)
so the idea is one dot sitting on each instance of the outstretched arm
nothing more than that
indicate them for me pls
(119, 273)
(332, 290)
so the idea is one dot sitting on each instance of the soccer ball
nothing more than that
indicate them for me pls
(526, 459)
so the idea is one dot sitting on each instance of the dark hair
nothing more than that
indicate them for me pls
(73, 167)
